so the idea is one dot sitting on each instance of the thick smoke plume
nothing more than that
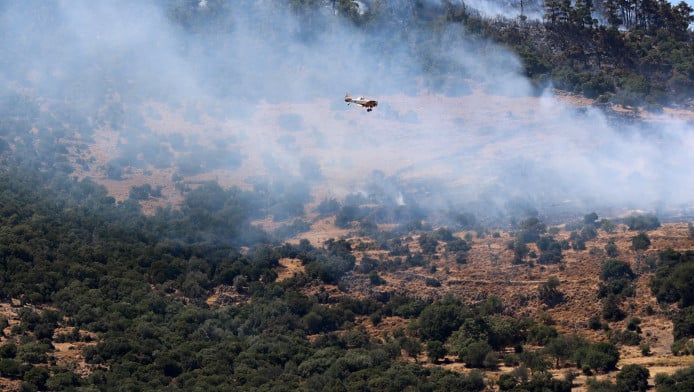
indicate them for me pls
(252, 90)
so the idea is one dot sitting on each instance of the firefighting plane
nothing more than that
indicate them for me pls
(369, 104)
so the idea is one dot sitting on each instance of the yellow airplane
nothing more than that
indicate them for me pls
(369, 104)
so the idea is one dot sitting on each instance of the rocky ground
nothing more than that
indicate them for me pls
(349, 144)
(489, 271)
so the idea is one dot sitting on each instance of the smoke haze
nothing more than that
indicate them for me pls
(252, 92)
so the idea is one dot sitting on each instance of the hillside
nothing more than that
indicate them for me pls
(370, 293)
(632, 69)
(188, 203)
(631, 53)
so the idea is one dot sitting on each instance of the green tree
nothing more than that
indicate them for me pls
(541, 334)
(601, 356)
(33, 352)
(590, 219)
(673, 277)
(8, 350)
(346, 215)
(616, 280)
(535, 361)
(640, 242)
(504, 332)
(549, 292)
(562, 347)
(520, 251)
(683, 324)
(507, 382)
(615, 269)
(551, 250)
(412, 346)
(607, 225)
(595, 385)
(428, 243)
(681, 380)
(475, 354)
(438, 320)
(584, 17)
(10, 368)
(611, 248)
(435, 350)
(642, 222)
(457, 245)
(611, 310)
(633, 378)
(530, 230)
(492, 305)
(63, 380)
(37, 376)
(470, 341)
(553, 11)
(4, 323)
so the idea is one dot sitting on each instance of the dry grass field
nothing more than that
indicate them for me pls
(489, 271)
(412, 137)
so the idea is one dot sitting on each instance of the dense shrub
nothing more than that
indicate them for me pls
(633, 377)
(139, 284)
(640, 241)
(673, 276)
(438, 320)
(642, 222)
(549, 292)
(599, 356)
(681, 380)
(683, 323)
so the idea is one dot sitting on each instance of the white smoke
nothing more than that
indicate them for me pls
(263, 79)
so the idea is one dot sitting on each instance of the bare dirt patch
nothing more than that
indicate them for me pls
(489, 271)
(289, 268)
(411, 136)
(321, 230)
(71, 354)
(349, 144)
(67, 354)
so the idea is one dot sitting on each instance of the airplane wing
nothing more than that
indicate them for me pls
(369, 104)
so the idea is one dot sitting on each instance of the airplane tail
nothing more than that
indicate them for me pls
(348, 98)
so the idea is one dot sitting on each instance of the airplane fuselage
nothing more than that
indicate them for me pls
(369, 104)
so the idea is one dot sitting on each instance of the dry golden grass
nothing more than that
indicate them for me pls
(70, 354)
(489, 272)
(384, 141)
(289, 268)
